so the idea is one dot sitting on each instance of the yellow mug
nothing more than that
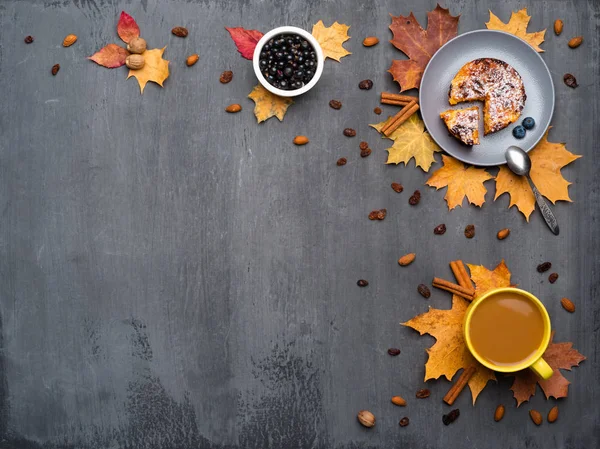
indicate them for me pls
(535, 362)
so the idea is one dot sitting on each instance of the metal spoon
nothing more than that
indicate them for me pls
(520, 164)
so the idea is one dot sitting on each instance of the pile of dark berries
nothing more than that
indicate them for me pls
(288, 61)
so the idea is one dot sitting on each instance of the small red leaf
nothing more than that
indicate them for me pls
(111, 56)
(127, 28)
(245, 40)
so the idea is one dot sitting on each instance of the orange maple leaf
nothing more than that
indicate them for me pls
(419, 44)
(547, 159)
(331, 39)
(559, 356)
(461, 181)
(517, 25)
(268, 105)
(156, 69)
(486, 280)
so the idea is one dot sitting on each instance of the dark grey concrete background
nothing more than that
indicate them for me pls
(175, 277)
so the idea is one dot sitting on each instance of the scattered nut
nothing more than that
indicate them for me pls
(396, 187)
(423, 393)
(378, 214)
(404, 422)
(362, 283)
(415, 198)
(451, 417)
(503, 233)
(394, 352)
(180, 31)
(407, 259)
(135, 62)
(553, 278)
(536, 417)
(424, 291)
(470, 231)
(365, 84)
(137, 45)
(543, 267)
(558, 26)
(300, 140)
(570, 80)
(341, 161)
(576, 42)
(28, 39)
(366, 418)
(55, 69)
(499, 413)
(370, 41)
(226, 76)
(192, 59)
(399, 401)
(233, 108)
(335, 104)
(440, 229)
(567, 305)
(378, 111)
(363, 145)
(365, 153)
(349, 132)
(553, 414)
(69, 40)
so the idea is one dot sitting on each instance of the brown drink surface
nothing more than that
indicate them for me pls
(506, 329)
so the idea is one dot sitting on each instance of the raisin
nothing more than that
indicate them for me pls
(349, 132)
(552, 278)
(362, 283)
(543, 267)
(404, 422)
(570, 80)
(378, 111)
(365, 84)
(470, 231)
(439, 229)
(394, 352)
(424, 291)
(423, 393)
(28, 39)
(226, 76)
(397, 187)
(180, 31)
(341, 161)
(55, 69)
(451, 417)
(365, 153)
(415, 198)
(335, 104)
(378, 214)
(363, 145)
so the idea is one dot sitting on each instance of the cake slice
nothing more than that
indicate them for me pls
(497, 84)
(463, 124)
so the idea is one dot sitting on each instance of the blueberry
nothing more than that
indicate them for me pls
(528, 123)
(267, 47)
(288, 72)
(519, 132)
(304, 44)
(300, 59)
(299, 74)
(281, 64)
(283, 84)
(309, 74)
(310, 64)
(273, 70)
(263, 63)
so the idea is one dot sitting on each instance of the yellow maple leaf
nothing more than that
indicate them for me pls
(156, 69)
(450, 353)
(410, 141)
(547, 159)
(267, 104)
(517, 25)
(331, 39)
(461, 181)
(485, 279)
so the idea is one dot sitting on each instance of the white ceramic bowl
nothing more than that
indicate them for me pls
(311, 40)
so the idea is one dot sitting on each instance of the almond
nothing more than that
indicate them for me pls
(192, 59)
(69, 40)
(135, 62)
(503, 233)
(370, 41)
(407, 259)
(499, 413)
(558, 26)
(553, 414)
(567, 305)
(536, 417)
(576, 42)
(366, 418)
(233, 108)
(399, 401)
(300, 140)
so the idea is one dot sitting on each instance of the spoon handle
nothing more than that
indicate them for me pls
(545, 209)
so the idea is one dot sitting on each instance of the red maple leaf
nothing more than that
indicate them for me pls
(419, 44)
(127, 28)
(245, 40)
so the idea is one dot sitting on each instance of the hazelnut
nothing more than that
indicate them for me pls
(137, 45)
(135, 62)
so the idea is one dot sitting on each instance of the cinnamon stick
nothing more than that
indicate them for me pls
(398, 97)
(460, 384)
(405, 113)
(461, 275)
(394, 102)
(453, 288)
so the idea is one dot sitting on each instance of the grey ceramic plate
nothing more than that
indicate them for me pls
(433, 93)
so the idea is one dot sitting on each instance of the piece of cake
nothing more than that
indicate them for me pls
(463, 124)
(495, 83)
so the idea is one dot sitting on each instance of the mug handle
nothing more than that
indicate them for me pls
(542, 369)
